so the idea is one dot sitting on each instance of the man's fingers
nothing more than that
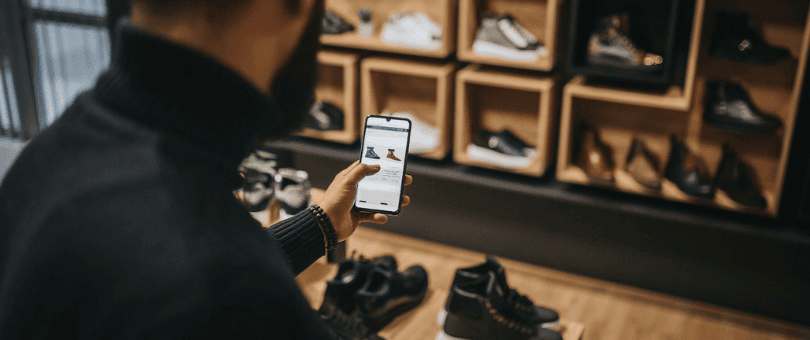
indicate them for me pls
(408, 179)
(349, 169)
(360, 171)
(373, 218)
(405, 200)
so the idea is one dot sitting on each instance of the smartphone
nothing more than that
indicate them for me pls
(385, 143)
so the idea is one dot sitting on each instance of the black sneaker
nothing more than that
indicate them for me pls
(345, 327)
(610, 45)
(388, 294)
(733, 39)
(334, 24)
(480, 311)
(504, 142)
(325, 116)
(292, 190)
(370, 153)
(351, 276)
(537, 316)
(729, 108)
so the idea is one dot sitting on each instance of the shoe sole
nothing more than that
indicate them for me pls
(600, 60)
(722, 125)
(498, 159)
(442, 316)
(489, 49)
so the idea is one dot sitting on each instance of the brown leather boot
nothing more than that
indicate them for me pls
(643, 165)
(594, 157)
(391, 155)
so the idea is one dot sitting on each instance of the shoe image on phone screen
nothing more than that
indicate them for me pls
(385, 143)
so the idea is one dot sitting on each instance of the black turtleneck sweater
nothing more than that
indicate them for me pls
(119, 221)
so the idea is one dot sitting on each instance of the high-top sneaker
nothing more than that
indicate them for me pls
(480, 310)
(392, 156)
(611, 46)
(370, 153)
(388, 294)
(733, 39)
(502, 37)
(728, 107)
(534, 315)
(351, 276)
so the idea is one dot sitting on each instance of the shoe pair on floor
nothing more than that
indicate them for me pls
(684, 169)
(482, 306)
(373, 291)
(502, 149)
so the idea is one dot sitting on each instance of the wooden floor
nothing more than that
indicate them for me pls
(608, 311)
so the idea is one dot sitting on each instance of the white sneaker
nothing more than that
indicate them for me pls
(414, 31)
(502, 37)
(424, 137)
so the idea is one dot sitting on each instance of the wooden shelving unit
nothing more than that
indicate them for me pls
(423, 89)
(338, 83)
(441, 12)
(496, 100)
(540, 17)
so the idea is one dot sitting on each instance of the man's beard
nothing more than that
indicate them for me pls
(293, 88)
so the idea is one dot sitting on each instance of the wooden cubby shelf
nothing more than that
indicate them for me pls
(441, 12)
(421, 88)
(338, 84)
(494, 100)
(539, 17)
(619, 115)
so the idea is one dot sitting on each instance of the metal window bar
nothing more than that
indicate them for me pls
(5, 111)
(11, 98)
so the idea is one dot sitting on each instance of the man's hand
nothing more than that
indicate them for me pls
(338, 200)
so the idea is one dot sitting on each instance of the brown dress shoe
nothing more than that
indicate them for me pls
(594, 157)
(643, 165)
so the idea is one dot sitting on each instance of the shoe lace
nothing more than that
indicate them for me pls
(509, 322)
(520, 301)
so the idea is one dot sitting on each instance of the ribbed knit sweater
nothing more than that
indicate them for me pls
(119, 220)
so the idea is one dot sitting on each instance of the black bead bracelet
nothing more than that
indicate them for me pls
(326, 226)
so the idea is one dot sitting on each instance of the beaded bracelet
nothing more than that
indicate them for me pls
(326, 226)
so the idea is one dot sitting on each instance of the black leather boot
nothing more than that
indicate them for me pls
(688, 172)
(729, 108)
(737, 180)
(611, 46)
(733, 39)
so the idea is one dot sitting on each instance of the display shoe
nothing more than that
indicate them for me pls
(388, 294)
(480, 311)
(370, 153)
(611, 46)
(534, 315)
(738, 181)
(334, 24)
(728, 107)
(412, 30)
(502, 149)
(502, 37)
(733, 39)
(687, 171)
(325, 116)
(352, 274)
(257, 191)
(292, 190)
(391, 155)
(344, 326)
(594, 157)
(643, 166)
(424, 137)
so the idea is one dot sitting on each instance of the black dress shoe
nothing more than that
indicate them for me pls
(537, 316)
(504, 142)
(352, 274)
(388, 294)
(611, 46)
(737, 180)
(344, 326)
(479, 310)
(733, 39)
(334, 24)
(688, 172)
(325, 116)
(729, 108)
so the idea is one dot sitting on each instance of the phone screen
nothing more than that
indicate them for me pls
(385, 143)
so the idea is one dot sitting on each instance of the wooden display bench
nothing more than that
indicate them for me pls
(620, 114)
(494, 100)
(338, 84)
(539, 17)
(423, 89)
(441, 12)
